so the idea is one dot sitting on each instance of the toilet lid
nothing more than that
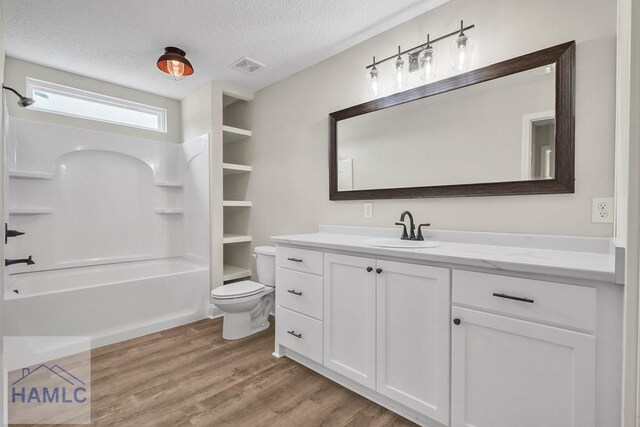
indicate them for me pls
(238, 289)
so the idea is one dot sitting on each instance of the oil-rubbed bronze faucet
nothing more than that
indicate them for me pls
(412, 228)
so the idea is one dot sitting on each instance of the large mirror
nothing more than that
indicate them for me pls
(504, 129)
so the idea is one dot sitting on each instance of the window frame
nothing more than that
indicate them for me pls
(35, 85)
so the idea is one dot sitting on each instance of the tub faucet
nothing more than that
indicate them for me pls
(27, 261)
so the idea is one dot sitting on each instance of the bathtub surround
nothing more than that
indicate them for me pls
(64, 181)
(290, 118)
(130, 215)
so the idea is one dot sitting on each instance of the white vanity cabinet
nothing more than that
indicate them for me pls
(413, 335)
(451, 341)
(510, 367)
(386, 326)
(350, 317)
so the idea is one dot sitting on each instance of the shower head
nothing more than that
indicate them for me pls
(23, 101)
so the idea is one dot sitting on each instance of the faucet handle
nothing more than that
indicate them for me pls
(405, 236)
(420, 236)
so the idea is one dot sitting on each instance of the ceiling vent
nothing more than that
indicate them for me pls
(247, 65)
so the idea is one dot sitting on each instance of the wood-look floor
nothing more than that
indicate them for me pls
(189, 375)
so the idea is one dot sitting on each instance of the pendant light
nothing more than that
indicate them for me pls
(174, 63)
(427, 62)
(461, 49)
(399, 73)
(374, 81)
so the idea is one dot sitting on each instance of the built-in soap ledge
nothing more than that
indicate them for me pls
(30, 175)
(40, 210)
(168, 211)
(173, 184)
(236, 203)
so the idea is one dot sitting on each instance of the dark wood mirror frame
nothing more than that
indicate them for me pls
(562, 55)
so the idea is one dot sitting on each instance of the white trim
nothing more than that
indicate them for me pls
(33, 85)
(527, 120)
(214, 312)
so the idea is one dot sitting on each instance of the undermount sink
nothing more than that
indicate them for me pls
(398, 243)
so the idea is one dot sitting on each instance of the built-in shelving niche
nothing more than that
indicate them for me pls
(236, 175)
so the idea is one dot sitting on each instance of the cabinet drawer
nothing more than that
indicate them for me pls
(301, 292)
(299, 260)
(561, 304)
(300, 333)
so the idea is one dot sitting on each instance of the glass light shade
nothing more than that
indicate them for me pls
(174, 63)
(427, 62)
(399, 74)
(461, 50)
(374, 82)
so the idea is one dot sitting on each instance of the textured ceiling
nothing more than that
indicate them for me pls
(120, 40)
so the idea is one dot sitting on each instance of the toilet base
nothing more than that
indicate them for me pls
(236, 326)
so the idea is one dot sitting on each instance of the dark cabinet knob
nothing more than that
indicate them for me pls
(378, 270)
(369, 269)
(457, 321)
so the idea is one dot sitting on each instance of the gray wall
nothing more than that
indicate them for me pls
(289, 120)
(17, 70)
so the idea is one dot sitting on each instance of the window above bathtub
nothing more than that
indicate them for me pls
(69, 101)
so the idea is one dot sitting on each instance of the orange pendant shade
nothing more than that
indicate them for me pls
(174, 63)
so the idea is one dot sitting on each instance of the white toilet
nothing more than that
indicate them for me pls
(247, 304)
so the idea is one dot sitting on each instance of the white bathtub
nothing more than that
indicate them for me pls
(109, 303)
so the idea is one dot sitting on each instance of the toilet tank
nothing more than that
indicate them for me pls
(266, 264)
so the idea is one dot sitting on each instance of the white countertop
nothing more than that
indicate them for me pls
(569, 257)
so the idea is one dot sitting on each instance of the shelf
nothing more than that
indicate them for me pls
(231, 134)
(231, 272)
(30, 175)
(228, 238)
(30, 211)
(168, 211)
(236, 203)
(232, 169)
(167, 184)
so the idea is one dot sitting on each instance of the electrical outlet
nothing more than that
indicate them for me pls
(368, 210)
(602, 210)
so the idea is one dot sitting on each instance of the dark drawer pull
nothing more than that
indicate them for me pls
(530, 301)
(291, 291)
(294, 334)
(295, 259)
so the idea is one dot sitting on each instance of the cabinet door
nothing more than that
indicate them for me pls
(413, 336)
(514, 373)
(350, 317)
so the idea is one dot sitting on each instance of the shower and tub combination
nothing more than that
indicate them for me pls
(117, 229)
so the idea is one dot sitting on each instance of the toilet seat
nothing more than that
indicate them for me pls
(243, 289)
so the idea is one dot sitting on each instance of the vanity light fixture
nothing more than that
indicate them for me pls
(427, 63)
(374, 82)
(175, 63)
(400, 73)
(461, 48)
(423, 57)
